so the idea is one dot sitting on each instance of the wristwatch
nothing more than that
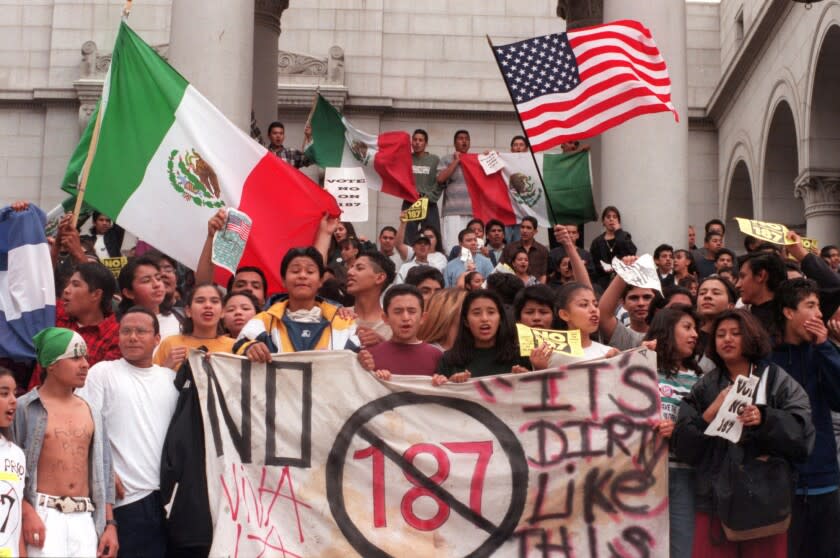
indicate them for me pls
(111, 522)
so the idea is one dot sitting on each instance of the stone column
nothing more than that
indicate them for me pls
(821, 196)
(211, 45)
(267, 15)
(644, 162)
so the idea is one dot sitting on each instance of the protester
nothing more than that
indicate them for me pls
(428, 280)
(201, 330)
(427, 254)
(683, 265)
(440, 320)
(494, 234)
(831, 255)
(69, 489)
(425, 167)
(612, 243)
(141, 284)
(473, 281)
(663, 257)
(692, 238)
(485, 344)
(137, 399)
(806, 354)
(520, 264)
(106, 237)
(536, 252)
(370, 275)
(715, 295)
(251, 279)
(674, 330)
(349, 248)
(778, 425)
(294, 157)
(557, 253)
(469, 260)
(704, 260)
(577, 308)
(724, 258)
(457, 207)
(14, 468)
(637, 301)
(387, 240)
(237, 310)
(534, 306)
(299, 321)
(404, 353)
(759, 276)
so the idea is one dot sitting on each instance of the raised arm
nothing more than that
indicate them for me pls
(204, 269)
(399, 242)
(608, 304)
(447, 171)
(324, 236)
(578, 266)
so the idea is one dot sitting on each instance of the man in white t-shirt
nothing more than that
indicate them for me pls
(137, 400)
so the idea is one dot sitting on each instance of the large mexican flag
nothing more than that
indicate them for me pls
(385, 159)
(167, 159)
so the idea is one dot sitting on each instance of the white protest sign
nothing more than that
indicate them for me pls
(726, 423)
(313, 455)
(491, 162)
(229, 243)
(641, 274)
(349, 187)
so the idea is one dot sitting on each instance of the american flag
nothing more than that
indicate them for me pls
(569, 86)
(239, 226)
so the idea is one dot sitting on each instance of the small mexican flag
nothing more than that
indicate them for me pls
(166, 160)
(386, 158)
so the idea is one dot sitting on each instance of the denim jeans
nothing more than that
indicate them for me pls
(681, 510)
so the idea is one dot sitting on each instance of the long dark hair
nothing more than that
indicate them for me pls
(663, 330)
(351, 233)
(463, 349)
(755, 342)
(187, 326)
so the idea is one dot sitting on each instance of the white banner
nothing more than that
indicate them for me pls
(348, 186)
(312, 456)
(641, 274)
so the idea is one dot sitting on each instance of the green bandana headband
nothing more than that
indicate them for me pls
(56, 343)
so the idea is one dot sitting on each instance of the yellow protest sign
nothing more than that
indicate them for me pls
(810, 244)
(567, 342)
(115, 264)
(770, 232)
(417, 211)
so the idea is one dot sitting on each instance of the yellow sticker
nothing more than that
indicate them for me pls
(9, 476)
(566, 342)
(769, 232)
(115, 264)
(417, 211)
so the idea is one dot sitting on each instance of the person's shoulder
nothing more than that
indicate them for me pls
(27, 398)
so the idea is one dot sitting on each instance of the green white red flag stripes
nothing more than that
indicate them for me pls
(516, 191)
(167, 159)
(386, 158)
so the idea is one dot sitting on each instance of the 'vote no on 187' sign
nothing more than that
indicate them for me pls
(349, 188)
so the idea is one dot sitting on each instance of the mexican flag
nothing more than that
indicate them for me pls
(385, 159)
(166, 160)
(515, 191)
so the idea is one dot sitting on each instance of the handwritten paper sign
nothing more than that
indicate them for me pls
(641, 274)
(567, 342)
(774, 233)
(229, 243)
(491, 162)
(313, 455)
(726, 423)
(349, 188)
(417, 211)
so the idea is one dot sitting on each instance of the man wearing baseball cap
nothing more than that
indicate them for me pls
(69, 490)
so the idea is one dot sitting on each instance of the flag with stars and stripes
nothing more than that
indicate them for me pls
(569, 86)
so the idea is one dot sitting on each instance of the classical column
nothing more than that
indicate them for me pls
(211, 45)
(821, 196)
(644, 161)
(267, 15)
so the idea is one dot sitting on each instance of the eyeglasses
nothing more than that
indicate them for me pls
(138, 331)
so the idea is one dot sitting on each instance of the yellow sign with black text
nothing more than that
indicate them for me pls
(567, 342)
(417, 211)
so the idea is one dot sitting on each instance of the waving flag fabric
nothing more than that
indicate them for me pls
(569, 86)
(167, 159)
(27, 289)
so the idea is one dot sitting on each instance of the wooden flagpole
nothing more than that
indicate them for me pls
(311, 112)
(524, 133)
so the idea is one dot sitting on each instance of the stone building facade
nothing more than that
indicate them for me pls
(753, 84)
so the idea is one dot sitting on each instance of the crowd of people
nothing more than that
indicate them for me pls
(101, 421)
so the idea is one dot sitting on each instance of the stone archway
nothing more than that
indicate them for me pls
(739, 203)
(781, 166)
(819, 184)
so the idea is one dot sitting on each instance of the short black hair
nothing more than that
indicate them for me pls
(790, 293)
(771, 263)
(462, 234)
(824, 252)
(126, 279)
(506, 285)
(422, 132)
(251, 269)
(401, 290)
(541, 294)
(382, 264)
(726, 251)
(276, 124)
(493, 223)
(420, 273)
(731, 292)
(302, 252)
(714, 222)
(532, 220)
(97, 276)
(459, 132)
(662, 248)
(514, 138)
(387, 228)
(709, 235)
(140, 310)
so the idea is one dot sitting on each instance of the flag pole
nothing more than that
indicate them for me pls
(311, 111)
(524, 133)
(94, 140)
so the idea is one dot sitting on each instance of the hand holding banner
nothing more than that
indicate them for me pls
(641, 274)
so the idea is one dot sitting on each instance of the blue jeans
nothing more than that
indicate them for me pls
(141, 528)
(681, 509)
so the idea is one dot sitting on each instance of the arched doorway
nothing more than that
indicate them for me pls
(739, 203)
(781, 167)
